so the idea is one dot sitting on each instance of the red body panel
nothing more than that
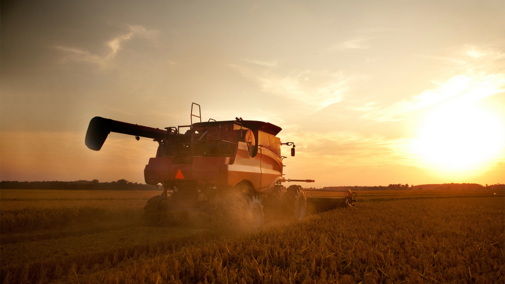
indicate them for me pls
(260, 171)
(271, 168)
(244, 167)
(157, 170)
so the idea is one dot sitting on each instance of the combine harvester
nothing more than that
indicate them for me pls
(201, 163)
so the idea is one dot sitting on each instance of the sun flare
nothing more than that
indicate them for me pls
(460, 139)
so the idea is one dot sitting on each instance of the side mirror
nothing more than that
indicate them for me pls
(292, 149)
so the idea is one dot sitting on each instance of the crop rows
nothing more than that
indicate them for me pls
(437, 240)
(28, 210)
(428, 241)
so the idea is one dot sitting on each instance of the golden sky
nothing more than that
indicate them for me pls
(371, 92)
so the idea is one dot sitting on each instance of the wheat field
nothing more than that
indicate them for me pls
(410, 236)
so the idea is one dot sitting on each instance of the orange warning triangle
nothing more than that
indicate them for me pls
(179, 175)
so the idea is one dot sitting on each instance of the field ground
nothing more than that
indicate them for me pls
(410, 236)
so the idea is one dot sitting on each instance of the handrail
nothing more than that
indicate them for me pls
(199, 113)
(191, 127)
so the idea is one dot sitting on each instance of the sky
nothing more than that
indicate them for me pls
(371, 92)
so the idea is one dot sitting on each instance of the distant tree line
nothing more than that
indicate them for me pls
(121, 184)
(497, 186)
(450, 186)
(355, 187)
(445, 186)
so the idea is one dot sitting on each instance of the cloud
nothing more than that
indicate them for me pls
(374, 30)
(482, 75)
(114, 45)
(356, 43)
(352, 148)
(484, 59)
(313, 89)
(262, 63)
(441, 58)
(367, 107)
(473, 58)
(80, 55)
(475, 53)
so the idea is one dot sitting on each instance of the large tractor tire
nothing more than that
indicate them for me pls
(156, 213)
(238, 208)
(151, 212)
(351, 201)
(251, 213)
(293, 203)
(272, 203)
(254, 216)
(152, 205)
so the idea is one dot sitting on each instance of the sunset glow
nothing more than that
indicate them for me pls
(372, 93)
(461, 139)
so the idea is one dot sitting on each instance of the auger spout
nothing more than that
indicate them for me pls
(99, 128)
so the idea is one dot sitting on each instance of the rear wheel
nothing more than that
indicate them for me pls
(251, 212)
(238, 208)
(293, 203)
(272, 203)
(254, 215)
(352, 199)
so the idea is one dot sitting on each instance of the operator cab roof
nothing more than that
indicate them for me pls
(251, 124)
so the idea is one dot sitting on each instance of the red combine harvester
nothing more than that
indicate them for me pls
(198, 164)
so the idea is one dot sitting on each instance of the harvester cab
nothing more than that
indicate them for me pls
(201, 163)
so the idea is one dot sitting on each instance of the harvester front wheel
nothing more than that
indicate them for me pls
(293, 203)
(156, 211)
(151, 211)
(152, 205)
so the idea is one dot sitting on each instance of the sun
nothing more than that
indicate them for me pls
(460, 139)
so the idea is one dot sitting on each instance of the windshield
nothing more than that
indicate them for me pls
(213, 139)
